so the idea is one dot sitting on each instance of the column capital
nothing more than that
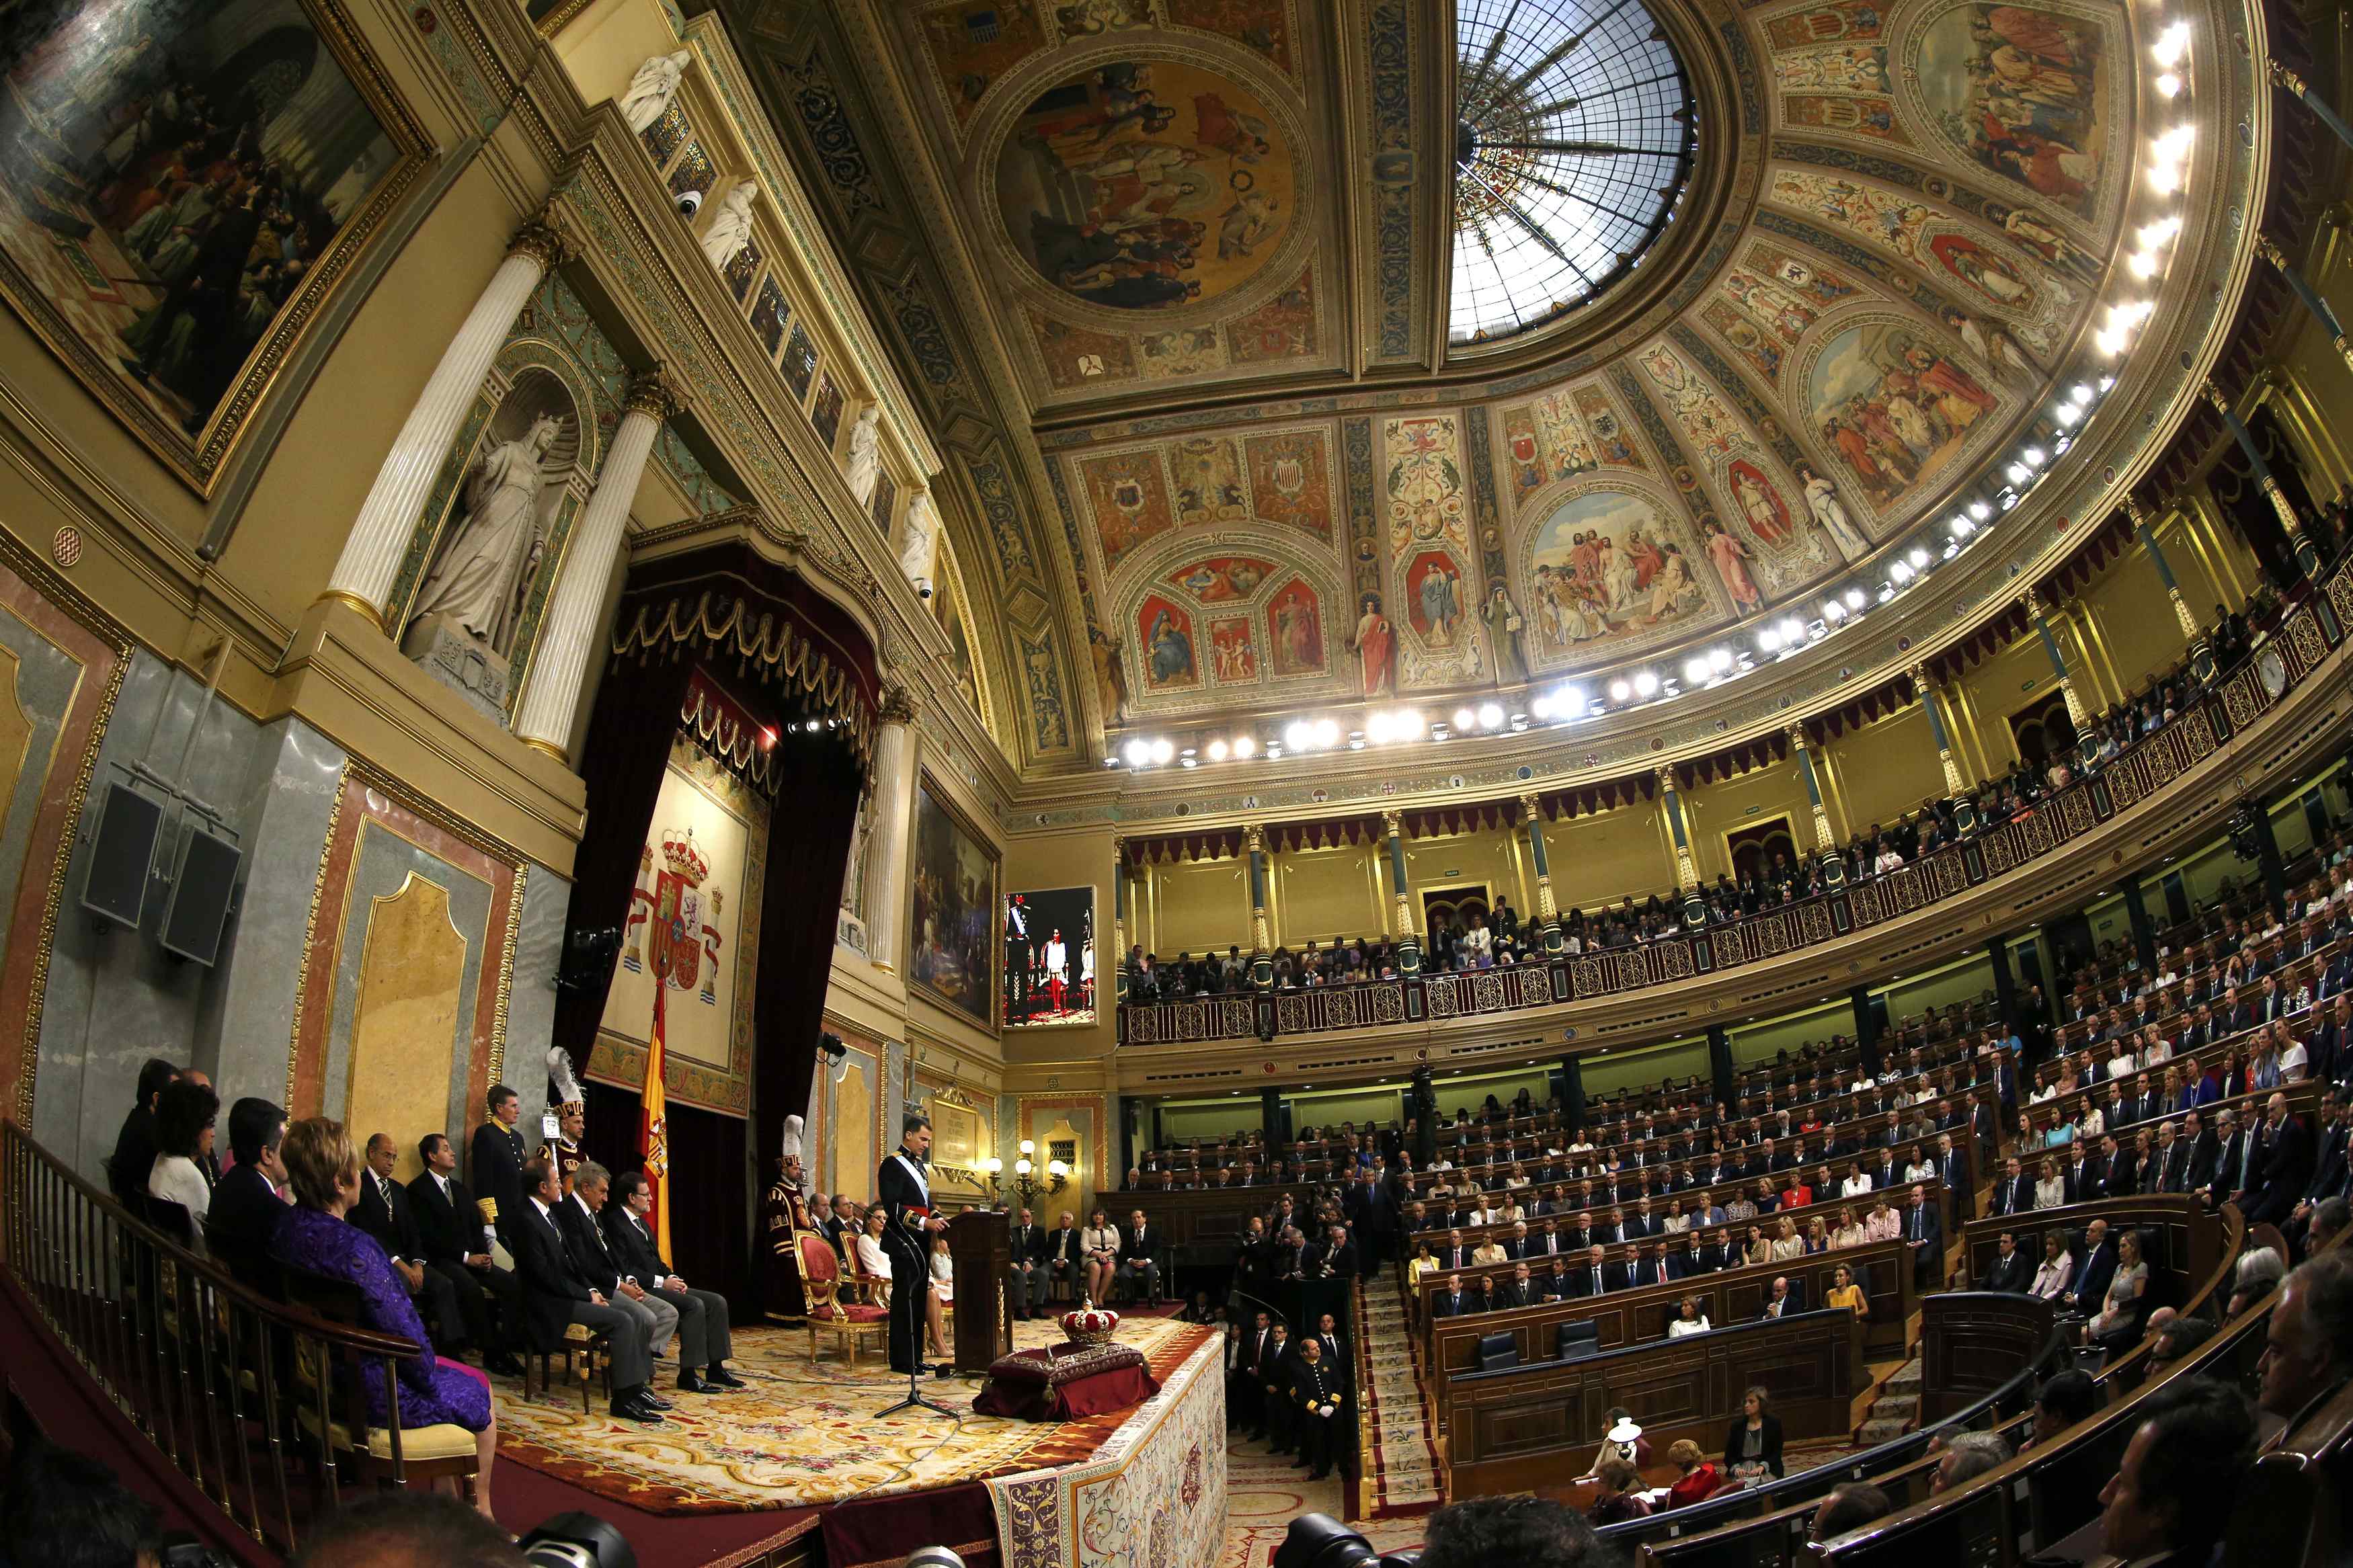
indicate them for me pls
(898, 705)
(1918, 670)
(543, 242)
(2270, 251)
(2137, 512)
(1254, 839)
(1799, 739)
(1665, 774)
(2215, 395)
(2283, 76)
(1393, 823)
(2033, 606)
(653, 392)
(1530, 811)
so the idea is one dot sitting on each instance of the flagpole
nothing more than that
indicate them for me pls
(653, 1111)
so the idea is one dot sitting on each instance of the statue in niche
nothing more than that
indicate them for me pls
(731, 230)
(862, 465)
(476, 587)
(652, 88)
(919, 547)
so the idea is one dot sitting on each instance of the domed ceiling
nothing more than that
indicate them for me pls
(1380, 351)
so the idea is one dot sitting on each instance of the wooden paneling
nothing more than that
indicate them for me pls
(1527, 1426)
(1973, 1342)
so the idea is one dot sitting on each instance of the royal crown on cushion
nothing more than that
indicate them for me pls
(1089, 1325)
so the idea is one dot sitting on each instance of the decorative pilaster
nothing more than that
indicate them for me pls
(545, 717)
(1409, 942)
(2313, 303)
(380, 534)
(1547, 908)
(1670, 805)
(892, 802)
(2077, 713)
(2306, 557)
(1928, 705)
(2145, 531)
(1824, 842)
(1261, 931)
(1118, 917)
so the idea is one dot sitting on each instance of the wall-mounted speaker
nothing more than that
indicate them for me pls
(121, 852)
(204, 891)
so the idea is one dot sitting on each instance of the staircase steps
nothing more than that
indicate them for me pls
(1895, 1410)
(1403, 1475)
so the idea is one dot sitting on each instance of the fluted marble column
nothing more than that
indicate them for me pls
(1262, 929)
(1928, 705)
(1547, 910)
(379, 538)
(2300, 549)
(565, 637)
(2077, 714)
(2316, 307)
(2145, 531)
(893, 806)
(1408, 941)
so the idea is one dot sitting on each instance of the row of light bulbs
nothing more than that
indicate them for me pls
(1783, 638)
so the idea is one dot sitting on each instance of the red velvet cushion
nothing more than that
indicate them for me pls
(864, 1315)
(818, 1262)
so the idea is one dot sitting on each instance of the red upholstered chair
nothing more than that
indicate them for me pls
(821, 1272)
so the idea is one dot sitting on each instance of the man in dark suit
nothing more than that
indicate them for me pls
(2011, 1269)
(2205, 1151)
(246, 1205)
(1925, 1229)
(1450, 1303)
(1273, 1373)
(577, 1216)
(2286, 1164)
(1139, 1258)
(2234, 1160)
(1649, 1265)
(1598, 1277)
(1028, 1297)
(1249, 1392)
(555, 1294)
(2013, 1192)
(1516, 1291)
(2087, 1174)
(383, 1212)
(498, 1156)
(134, 1159)
(1062, 1253)
(456, 1245)
(703, 1341)
(2099, 1268)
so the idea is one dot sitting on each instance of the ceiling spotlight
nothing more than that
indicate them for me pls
(1900, 571)
(2017, 473)
(2170, 46)
(1326, 732)
(2081, 392)
(1919, 559)
(1216, 751)
(1854, 598)
(1138, 752)
(1376, 728)
(1696, 670)
(1407, 723)
(2168, 85)
(1489, 715)
(1162, 751)
(1769, 640)
(1463, 718)
(1568, 702)
(1541, 707)
(2066, 414)
(1793, 630)
(1887, 590)
(1833, 610)
(1720, 659)
(1646, 683)
(1245, 746)
(1272, 750)
(1619, 691)
(1295, 734)
(1979, 511)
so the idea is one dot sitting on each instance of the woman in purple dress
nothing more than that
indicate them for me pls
(324, 1170)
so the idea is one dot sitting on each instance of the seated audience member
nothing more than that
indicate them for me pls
(383, 1213)
(249, 1200)
(1621, 1439)
(1027, 1261)
(1844, 1292)
(1139, 1259)
(183, 1141)
(2063, 1399)
(2329, 1217)
(407, 1529)
(1968, 1455)
(134, 1159)
(2169, 1500)
(1776, 1297)
(63, 1508)
(577, 1217)
(2175, 1340)
(1522, 1530)
(555, 1293)
(1617, 1500)
(2007, 1271)
(703, 1343)
(1752, 1444)
(2258, 1271)
(1851, 1506)
(2058, 1267)
(1688, 1318)
(2309, 1340)
(448, 1225)
(2116, 1321)
(1699, 1480)
(314, 1236)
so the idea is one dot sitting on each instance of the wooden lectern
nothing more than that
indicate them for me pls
(980, 1251)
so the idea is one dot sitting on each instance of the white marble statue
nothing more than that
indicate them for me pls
(477, 586)
(730, 227)
(862, 465)
(919, 547)
(652, 88)
(1823, 501)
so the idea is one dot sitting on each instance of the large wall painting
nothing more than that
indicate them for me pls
(954, 915)
(1607, 570)
(1430, 547)
(2019, 88)
(1171, 662)
(1142, 185)
(1892, 406)
(185, 184)
(1129, 499)
(1050, 956)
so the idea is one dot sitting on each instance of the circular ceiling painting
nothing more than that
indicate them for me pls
(1141, 185)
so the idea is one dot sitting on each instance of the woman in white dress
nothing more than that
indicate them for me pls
(940, 1296)
(183, 1136)
(1099, 1246)
(872, 1261)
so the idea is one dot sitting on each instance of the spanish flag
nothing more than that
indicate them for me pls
(653, 1128)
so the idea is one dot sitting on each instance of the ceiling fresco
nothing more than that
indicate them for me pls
(1213, 252)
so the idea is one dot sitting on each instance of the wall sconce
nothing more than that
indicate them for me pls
(1026, 1181)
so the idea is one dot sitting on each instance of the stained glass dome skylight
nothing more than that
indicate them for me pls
(1573, 139)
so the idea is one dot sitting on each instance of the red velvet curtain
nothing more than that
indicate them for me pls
(717, 1167)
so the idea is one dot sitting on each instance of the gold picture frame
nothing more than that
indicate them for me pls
(103, 126)
(942, 958)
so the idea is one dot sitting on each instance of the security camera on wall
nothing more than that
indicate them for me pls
(689, 202)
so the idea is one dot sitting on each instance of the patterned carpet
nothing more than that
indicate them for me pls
(1264, 1494)
(804, 1435)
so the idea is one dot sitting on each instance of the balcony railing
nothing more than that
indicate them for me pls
(2301, 643)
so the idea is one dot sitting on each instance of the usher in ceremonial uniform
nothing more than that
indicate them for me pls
(905, 1187)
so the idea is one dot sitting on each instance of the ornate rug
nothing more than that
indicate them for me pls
(802, 1436)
